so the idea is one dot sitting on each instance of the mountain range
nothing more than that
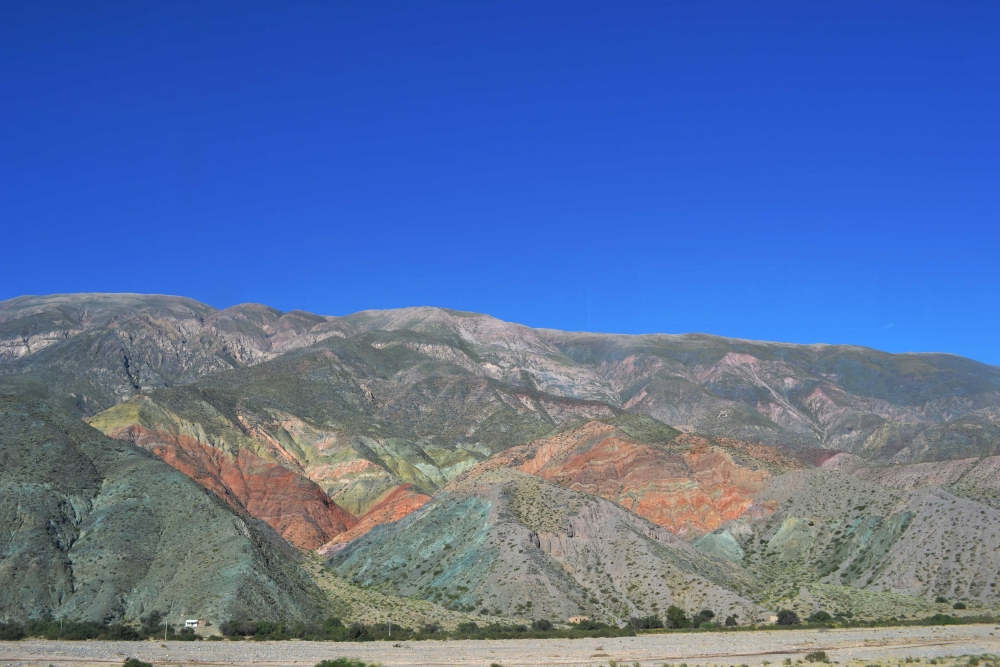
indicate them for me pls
(159, 453)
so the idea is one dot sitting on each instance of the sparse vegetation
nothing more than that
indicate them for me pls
(344, 662)
(50, 628)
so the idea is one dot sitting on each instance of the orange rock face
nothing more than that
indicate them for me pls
(289, 502)
(397, 504)
(689, 486)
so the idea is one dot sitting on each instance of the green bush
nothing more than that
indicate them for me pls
(11, 632)
(788, 617)
(941, 600)
(942, 619)
(819, 617)
(120, 632)
(541, 625)
(817, 656)
(676, 618)
(646, 622)
(151, 623)
(343, 662)
(958, 605)
(702, 617)
(135, 662)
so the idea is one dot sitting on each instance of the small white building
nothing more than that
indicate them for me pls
(193, 623)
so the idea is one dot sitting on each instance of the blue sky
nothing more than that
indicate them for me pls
(805, 172)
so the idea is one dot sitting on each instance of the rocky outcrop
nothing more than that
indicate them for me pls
(295, 506)
(687, 485)
(398, 503)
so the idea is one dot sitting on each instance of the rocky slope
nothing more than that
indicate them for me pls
(832, 528)
(96, 350)
(94, 528)
(974, 478)
(260, 486)
(507, 543)
(687, 484)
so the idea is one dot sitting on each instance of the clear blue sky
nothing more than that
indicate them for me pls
(801, 171)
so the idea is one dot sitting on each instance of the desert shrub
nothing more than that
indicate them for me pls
(11, 632)
(817, 656)
(120, 632)
(958, 605)
(646, 622)
(788, 617)
(731, 622)
(942, 619)
(80, 630)
(819, 617)
(152, 623)
(941, 600)
(238, 628)
(467, 628)
(358, 632)
(343, 662)
(703, 616)
(676, 618)
(541, 625)
(135, 662)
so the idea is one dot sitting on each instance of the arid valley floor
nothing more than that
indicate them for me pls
(949, 646)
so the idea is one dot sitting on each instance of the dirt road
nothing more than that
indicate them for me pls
(723, 649)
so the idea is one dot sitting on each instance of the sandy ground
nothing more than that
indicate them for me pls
(722, 649)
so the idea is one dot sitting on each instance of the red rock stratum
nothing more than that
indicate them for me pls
(689, 485)
(396, 504)
(292, 504)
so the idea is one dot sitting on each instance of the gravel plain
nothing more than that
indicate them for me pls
(722, 649)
